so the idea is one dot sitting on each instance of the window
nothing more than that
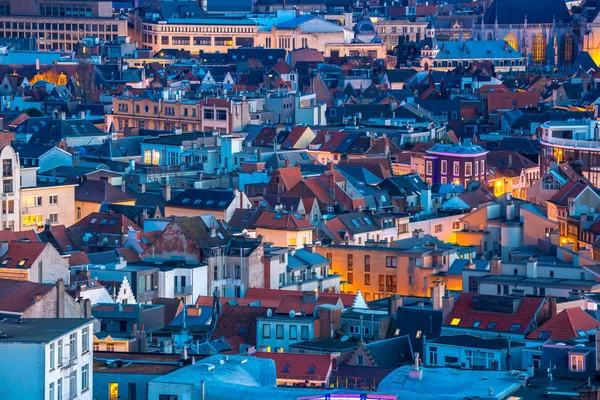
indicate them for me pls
(266, 331)
(221, 115)
(444, 167)
(33, 201)
(367, 263)
(85, 339)
(304, 333)
(360, 360)
(515, 328)
(350, 262)
(468, 169)
(350, 278)
(53, 218)
(456, 166)
(512, 41)
(566, 48)
(7, 169)
(577, 362)
(53, 200)
(429, 167)
(51, 391)
(293, 332)
(538, 49)
(59, 352)
(52, 356)
(72, 384)
(437, 228)
(292, 242)
(85, 377)
(390, 283)
(455, 321)
(73, 345)
(59, 391)
(279, 331)
(367, 279)
(391, 262)
(110, 347)
(433, 355)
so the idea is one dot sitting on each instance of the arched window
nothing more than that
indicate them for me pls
(489, 36)
(566, 48)
(512, 41)
(538, 49)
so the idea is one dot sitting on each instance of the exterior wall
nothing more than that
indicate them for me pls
(102, 381)
(407, 278)
(54, 158)
(534, 226)
(10, 193)
(52, 265)
(119, 345)
(437, 174)
(64, 209)
(28, 375)
(174, 243)
(192, 212)
(497, 357)
(392, 30)
(432, 226)
(85, 208)
(50, 37)
(282, 238)
(273, 342)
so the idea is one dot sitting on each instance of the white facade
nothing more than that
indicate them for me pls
(187, 282)
(279, 332)
(442, 227)
(54, 369)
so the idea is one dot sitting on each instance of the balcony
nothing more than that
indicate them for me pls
(585, 144)
(183, 291)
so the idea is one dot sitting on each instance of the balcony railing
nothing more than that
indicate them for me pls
(183, 291)
(587, 144)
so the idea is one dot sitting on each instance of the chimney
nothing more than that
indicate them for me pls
(287, 163)
(142, 188)
(63, 115)
(123, 187)
(310, 297)
(418, 233)
(552, 306)
(447, 305)
(532, 267)
(437, 294)
(60, 298)
(81, 114)
(510, 211)
(166, 192)
(329, 166)
(87, 308)
(393, 304)
(495, 265)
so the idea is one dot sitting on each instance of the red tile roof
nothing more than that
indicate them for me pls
(282, 67)
(62, 238)
(7, 235)
(293, 302)
(466, 316)
(566, 324)
(283, 221)
(242, 302)
(509, 101)
(569, 190)
(78, 258)
(18, 296)
(290, 176)
(295, 134)
(275, 294)
(300, 366)
(238, 325)
(18, 251)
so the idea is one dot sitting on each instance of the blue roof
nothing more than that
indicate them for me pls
(458, 265)
(194, 321)
(303, 258)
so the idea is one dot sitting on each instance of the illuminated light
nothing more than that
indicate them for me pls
(498, 183)
(455, 321)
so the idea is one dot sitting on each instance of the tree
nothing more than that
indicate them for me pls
(33, 112)
(86, 79)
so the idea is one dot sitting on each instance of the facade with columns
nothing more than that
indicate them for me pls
(542, 34)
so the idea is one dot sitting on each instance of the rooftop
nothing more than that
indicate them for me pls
(39, 330)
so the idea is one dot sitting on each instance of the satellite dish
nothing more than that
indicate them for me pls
(344, 338)
(86, 239)
(292, 313)
(269, 313)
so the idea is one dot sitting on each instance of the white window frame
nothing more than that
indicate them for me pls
(468, 169)
(456, 168)
(577, 361)
(444, 167)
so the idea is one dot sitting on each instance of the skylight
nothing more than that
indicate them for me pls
(455, 321)
(515, 328)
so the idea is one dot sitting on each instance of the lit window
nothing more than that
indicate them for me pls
(577, 362)
(22, 262)
(418, 335)
(455, 321)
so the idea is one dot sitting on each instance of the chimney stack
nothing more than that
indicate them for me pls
(60, 298)
(166, 192)
(495, 265)
(438, 292)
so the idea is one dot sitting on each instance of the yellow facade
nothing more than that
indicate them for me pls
(85, 208)
(283, 238)
(53, 204)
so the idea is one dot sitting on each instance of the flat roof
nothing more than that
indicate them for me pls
(39, 330)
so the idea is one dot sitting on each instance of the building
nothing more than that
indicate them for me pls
(456, 163)
(540, 31)
(570, 141)
(445, 56)
(407, 267)
(299, 317)
(60, 26)
(57, 351)
(219, 203)
(34, 262)
(285, 229)
(313, 370)
(396, 31)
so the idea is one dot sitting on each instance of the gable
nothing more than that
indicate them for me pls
(173, 243)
